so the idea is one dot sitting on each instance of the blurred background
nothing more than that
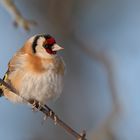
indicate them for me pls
(102, 53)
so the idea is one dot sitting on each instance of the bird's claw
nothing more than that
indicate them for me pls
(36, 105)
(55, 120)
(83, 135)
(51, 114)
(45, 117)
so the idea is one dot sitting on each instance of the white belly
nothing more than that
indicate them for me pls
(42, 87)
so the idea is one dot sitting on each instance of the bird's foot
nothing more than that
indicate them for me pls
(52, 115)
(45, 117)
(36, 105)
(55, 120)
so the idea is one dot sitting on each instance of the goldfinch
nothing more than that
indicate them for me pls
(35, 71)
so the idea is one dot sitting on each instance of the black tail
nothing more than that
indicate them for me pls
(4, 78)
(1, 92)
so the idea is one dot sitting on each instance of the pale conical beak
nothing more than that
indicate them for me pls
(56, 47)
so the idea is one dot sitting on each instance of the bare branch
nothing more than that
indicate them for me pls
(19, 20)
(49, 113)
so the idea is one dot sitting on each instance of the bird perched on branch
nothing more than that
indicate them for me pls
(35, 71)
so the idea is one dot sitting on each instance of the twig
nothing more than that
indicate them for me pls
(19, 19)
(49, 113)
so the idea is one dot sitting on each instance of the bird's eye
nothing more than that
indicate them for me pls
(49, 43)
(47, 46)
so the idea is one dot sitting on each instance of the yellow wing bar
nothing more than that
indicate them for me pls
(4, 78)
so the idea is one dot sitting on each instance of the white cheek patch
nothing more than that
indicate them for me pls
(40, 41)
(41, 52)
(40, 49)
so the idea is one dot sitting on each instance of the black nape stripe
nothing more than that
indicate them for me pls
(35, 43)
(46, 36)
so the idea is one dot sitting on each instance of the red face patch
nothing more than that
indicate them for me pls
(48, 45)
(51, 41)
(50, 51)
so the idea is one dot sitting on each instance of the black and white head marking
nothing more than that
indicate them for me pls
(35, 41)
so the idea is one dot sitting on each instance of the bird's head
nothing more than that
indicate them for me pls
(44, 45)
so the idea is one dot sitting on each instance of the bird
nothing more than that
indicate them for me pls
(36, 71)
